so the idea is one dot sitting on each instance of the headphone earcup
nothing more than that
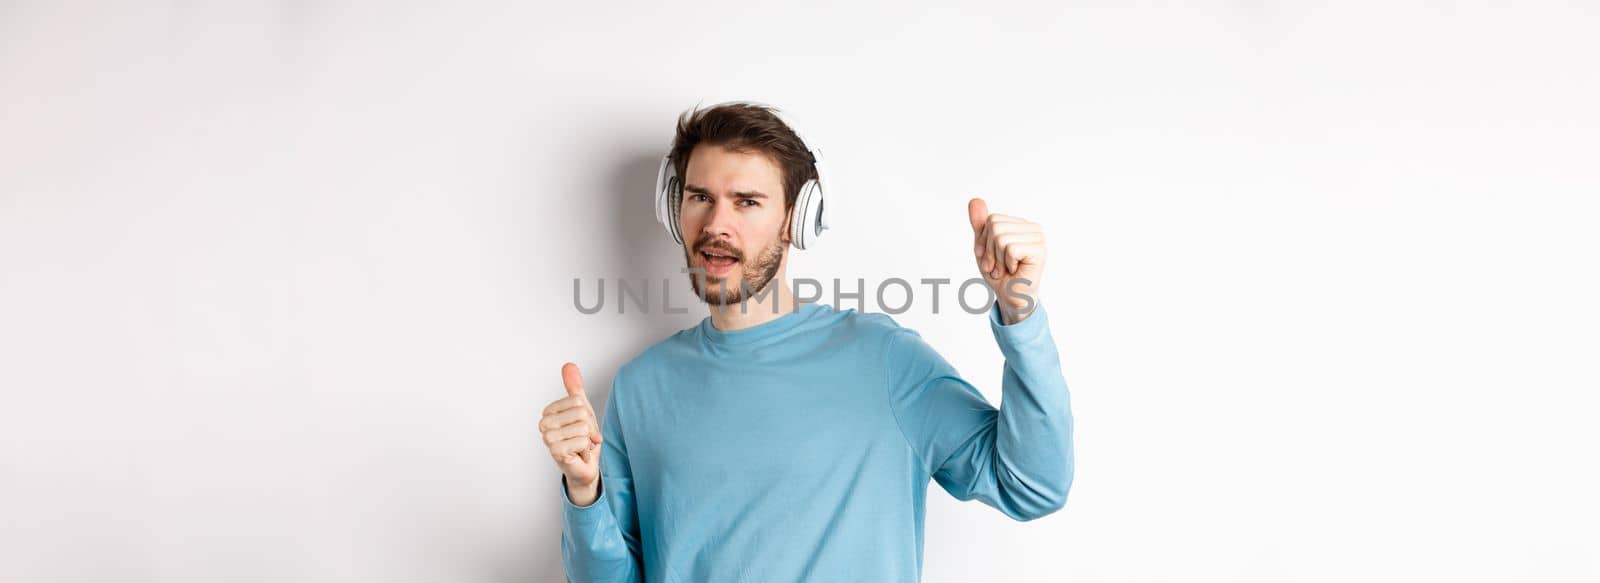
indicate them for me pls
(807, 209)
(674, 225)
(667, 207)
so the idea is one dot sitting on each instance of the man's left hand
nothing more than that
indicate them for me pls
(1010, 253)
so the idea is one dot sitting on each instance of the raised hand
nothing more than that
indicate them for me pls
(572, 432)
(1010, 253)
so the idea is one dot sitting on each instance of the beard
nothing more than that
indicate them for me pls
(716, 290)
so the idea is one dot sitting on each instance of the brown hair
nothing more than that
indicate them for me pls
(745, 127)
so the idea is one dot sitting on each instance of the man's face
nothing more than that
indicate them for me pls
(733, 222)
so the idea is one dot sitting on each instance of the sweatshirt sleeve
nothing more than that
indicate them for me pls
(1017, 459)
(600, 542)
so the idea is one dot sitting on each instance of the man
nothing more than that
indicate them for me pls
(797, 443)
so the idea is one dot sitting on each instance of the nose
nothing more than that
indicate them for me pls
(719, 223)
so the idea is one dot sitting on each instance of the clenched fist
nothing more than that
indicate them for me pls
(572, 433)
(1010, 252)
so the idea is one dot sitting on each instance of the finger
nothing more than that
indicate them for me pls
(594, 423)
(1003, 253)
(594, 426)
(977, 241)
(561, 434)
(568, 402)
(565, 403)
(570, 446)
(565, 418)
(1000, 226)
(980, 248)
(977, 213)
(997, 266)
(571, 377)
(1016, 254)
(1003, 228)
(986, 249)
(1018, 248)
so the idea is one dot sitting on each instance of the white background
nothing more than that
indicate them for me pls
(285, 285)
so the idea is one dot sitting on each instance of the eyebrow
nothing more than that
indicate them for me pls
(697, 189)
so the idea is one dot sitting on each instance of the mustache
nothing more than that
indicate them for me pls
(700, 246)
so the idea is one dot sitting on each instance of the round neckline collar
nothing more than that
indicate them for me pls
(761, 331)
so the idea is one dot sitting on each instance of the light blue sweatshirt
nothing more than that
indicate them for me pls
(800, 449)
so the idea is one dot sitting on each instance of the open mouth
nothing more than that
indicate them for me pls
(717, 262)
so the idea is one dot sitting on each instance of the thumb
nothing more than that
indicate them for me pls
(572, 379)
(977, 213)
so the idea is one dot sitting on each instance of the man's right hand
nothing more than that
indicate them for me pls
(573, 436)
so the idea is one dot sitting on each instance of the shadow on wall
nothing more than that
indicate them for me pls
(642, 249)
(647, 252)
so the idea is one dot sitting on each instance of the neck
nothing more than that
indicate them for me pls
(773, 304)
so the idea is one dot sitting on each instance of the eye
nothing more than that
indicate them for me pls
(749, 200)
(697, 197)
